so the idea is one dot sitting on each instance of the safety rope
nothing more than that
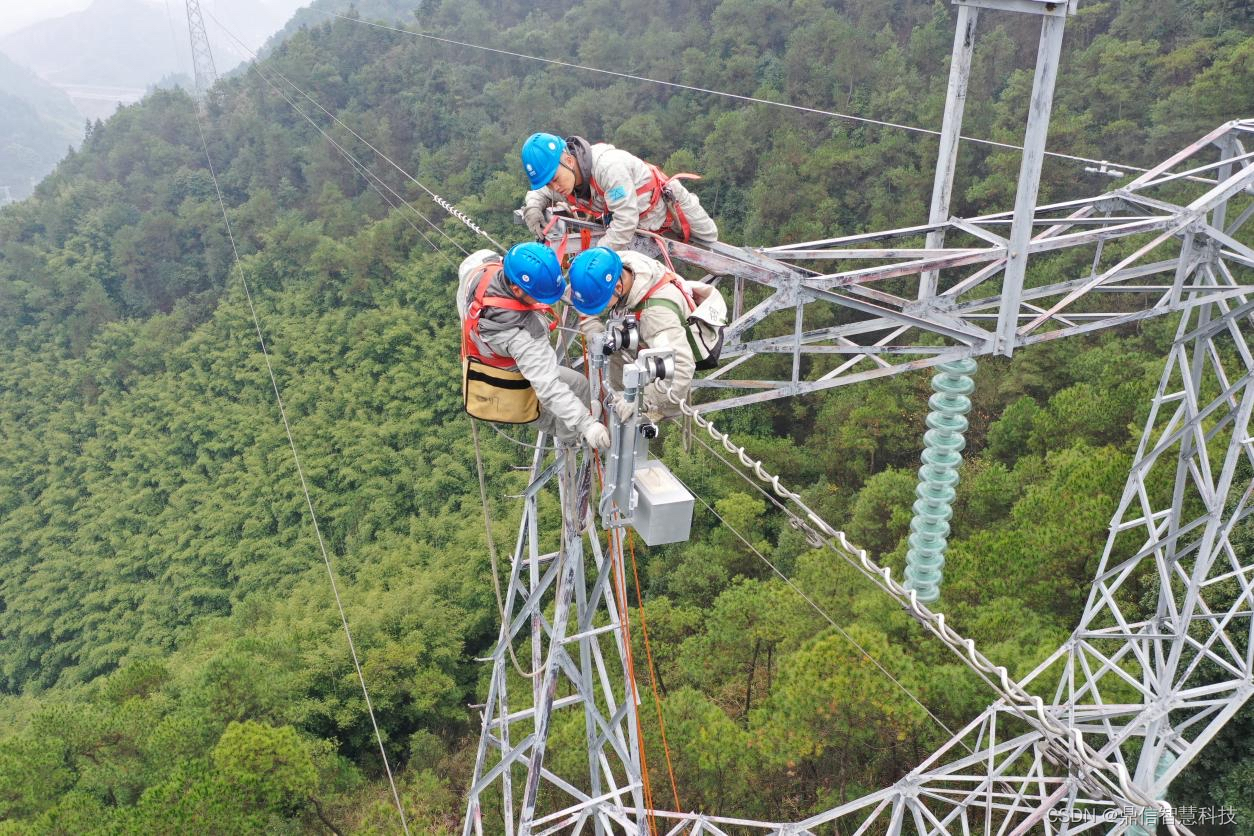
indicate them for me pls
(1027, 706)
(615, 541)
(648, 652)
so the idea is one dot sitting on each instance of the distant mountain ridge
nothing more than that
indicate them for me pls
(38, 123)
(129, 43)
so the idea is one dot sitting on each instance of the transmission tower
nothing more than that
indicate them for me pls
(1163, 656)
(563, 617)
(202, 56)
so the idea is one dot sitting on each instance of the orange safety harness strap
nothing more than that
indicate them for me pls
(672, 279)
(655, 189)
(475, 311)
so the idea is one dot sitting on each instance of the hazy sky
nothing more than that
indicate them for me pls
(14, 14)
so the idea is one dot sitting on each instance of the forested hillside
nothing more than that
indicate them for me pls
(171, 660)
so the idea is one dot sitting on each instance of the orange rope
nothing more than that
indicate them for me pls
(620, 592)
(617, 564)
(648, 651)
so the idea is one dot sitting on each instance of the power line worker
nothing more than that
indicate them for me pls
(510, 370)
(602, 182)
(631, 283)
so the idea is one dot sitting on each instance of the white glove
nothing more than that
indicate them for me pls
(597, 436)
(624, 408)
(534, 219)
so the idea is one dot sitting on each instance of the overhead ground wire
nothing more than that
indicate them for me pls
(814, 604)
(396, 201)
(714, 92)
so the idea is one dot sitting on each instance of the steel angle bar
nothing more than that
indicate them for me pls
(942, 324)
(1214, 327)
(901, 232)
(1098, 280)
(782, 389)
(901, 252)
(1086, 221)
(531, 608)
(1186, 756)
(1114, 285)
(583, 804)
(1245, 215)
(978, 231)
(507, 760)
(1148, 177)
(861, 327)
(1238, 182)
(545, 476)
(842, 368)
(991, 270)
(906, 268)
(1083, 204)
(868, 351)
(778, 301)
(527, 713)
(1166, 178)
(1125, 319)
(1232, 245)
(706, 818)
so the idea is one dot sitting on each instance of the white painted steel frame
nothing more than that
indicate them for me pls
(885, 329)
(562, 617)
(1137, 685)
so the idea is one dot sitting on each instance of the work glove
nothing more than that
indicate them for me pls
(534, 219)
(624, 408)
(597, 436)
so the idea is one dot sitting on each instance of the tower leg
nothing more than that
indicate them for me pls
(571, 605)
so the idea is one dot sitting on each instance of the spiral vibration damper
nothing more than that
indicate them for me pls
(938, 477)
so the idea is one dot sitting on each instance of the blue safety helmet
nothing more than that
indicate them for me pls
(593, 275)
(541, 156)
(535, 268)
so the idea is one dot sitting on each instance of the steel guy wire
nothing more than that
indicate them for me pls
(817, 608)
(792, 517)
(397, 199)
(1113, 778)
(440, 201)
(961, 741)
(255, 66)
(713, 92)
(303, 484)
(300, 472)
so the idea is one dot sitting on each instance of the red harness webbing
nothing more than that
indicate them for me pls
(669, 278)
(654, 189)
(475, 311)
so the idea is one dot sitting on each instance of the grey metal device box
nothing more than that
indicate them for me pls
(664, 507)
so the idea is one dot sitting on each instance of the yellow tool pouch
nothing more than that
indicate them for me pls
(493, 394)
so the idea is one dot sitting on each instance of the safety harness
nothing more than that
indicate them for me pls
(470, 328)
(492, 387)
(655, 189)
(705, 337)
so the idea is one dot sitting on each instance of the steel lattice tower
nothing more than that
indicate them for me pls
(1163, 655)
(202, 55)
(563, 618)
